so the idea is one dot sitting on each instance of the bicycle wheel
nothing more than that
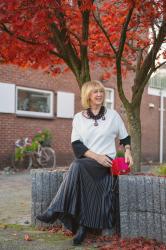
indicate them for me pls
(35, 161)
(25, 163)
(47, 158)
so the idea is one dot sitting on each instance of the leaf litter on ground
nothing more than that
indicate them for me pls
(112, 242)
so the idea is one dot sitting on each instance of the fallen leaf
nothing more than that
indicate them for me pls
(27, 237)
(3, 226)
(67, 232)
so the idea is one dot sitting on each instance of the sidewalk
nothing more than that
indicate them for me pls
(15, 209)
(15, 197)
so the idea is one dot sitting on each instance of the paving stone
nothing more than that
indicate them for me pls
(15, 198)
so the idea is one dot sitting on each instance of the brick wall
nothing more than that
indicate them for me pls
(150, 128)
(13, 127)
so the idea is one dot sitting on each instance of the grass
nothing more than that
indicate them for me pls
(27, 237)
(14, 237)
(160, 170)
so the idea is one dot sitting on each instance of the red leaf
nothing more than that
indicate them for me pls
(27, 237)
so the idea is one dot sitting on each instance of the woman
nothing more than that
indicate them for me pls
(84, 199)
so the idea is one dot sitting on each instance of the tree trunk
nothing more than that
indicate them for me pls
(134, 124)
(82, 78)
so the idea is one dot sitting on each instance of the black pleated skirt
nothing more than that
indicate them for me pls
(85, 196)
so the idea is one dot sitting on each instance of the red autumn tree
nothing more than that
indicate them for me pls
(46, 34)
(53, 34)
(133, 33)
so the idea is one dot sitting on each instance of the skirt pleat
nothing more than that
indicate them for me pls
(85, 196)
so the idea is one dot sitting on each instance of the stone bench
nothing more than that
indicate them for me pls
(45, 184)
(142, 202)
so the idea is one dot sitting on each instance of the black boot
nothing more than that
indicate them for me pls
(47, 217)
(80, 236)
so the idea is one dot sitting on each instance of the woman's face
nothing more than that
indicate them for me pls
(96, 97)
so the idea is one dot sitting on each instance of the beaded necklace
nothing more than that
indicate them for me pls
(98, 116)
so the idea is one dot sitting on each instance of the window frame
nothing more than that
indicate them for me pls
(35, 114)
(109, 100)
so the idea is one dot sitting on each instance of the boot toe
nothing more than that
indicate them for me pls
(80, 236)
(46, 217)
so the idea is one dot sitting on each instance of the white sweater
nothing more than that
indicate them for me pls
(99, 139)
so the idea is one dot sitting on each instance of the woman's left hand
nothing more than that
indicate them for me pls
(128, 158)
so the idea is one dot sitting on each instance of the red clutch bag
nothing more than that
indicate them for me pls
(119, 167)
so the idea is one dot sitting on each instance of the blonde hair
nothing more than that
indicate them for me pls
(86, 90)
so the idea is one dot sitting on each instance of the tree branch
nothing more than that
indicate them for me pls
(141, 88)
(73, 34)
(161, 64)
(151, 56)
(128, 65)
(136, 49)
(123, 33)
(56, 54)
(84, 47)
(65, 49)
(21, 38)
(148, 66)
(119, 58)
(139, 60)
(99, 23)
(154, 32)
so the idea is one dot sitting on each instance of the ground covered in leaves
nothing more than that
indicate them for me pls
(18, 237)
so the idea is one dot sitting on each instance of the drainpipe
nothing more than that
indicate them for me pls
(161, 124)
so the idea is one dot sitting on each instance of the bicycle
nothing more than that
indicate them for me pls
(43, 157)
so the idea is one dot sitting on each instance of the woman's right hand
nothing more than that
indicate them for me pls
(101, 159)
(104, 160)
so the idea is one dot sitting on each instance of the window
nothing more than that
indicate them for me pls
(34, 102)
(109, 100)
(157, 83)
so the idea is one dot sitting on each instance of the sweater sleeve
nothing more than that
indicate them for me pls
(125, 141)
(122, 132)
(75, 135)
(79, 148)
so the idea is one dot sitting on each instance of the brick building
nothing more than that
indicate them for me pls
(55, 100)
